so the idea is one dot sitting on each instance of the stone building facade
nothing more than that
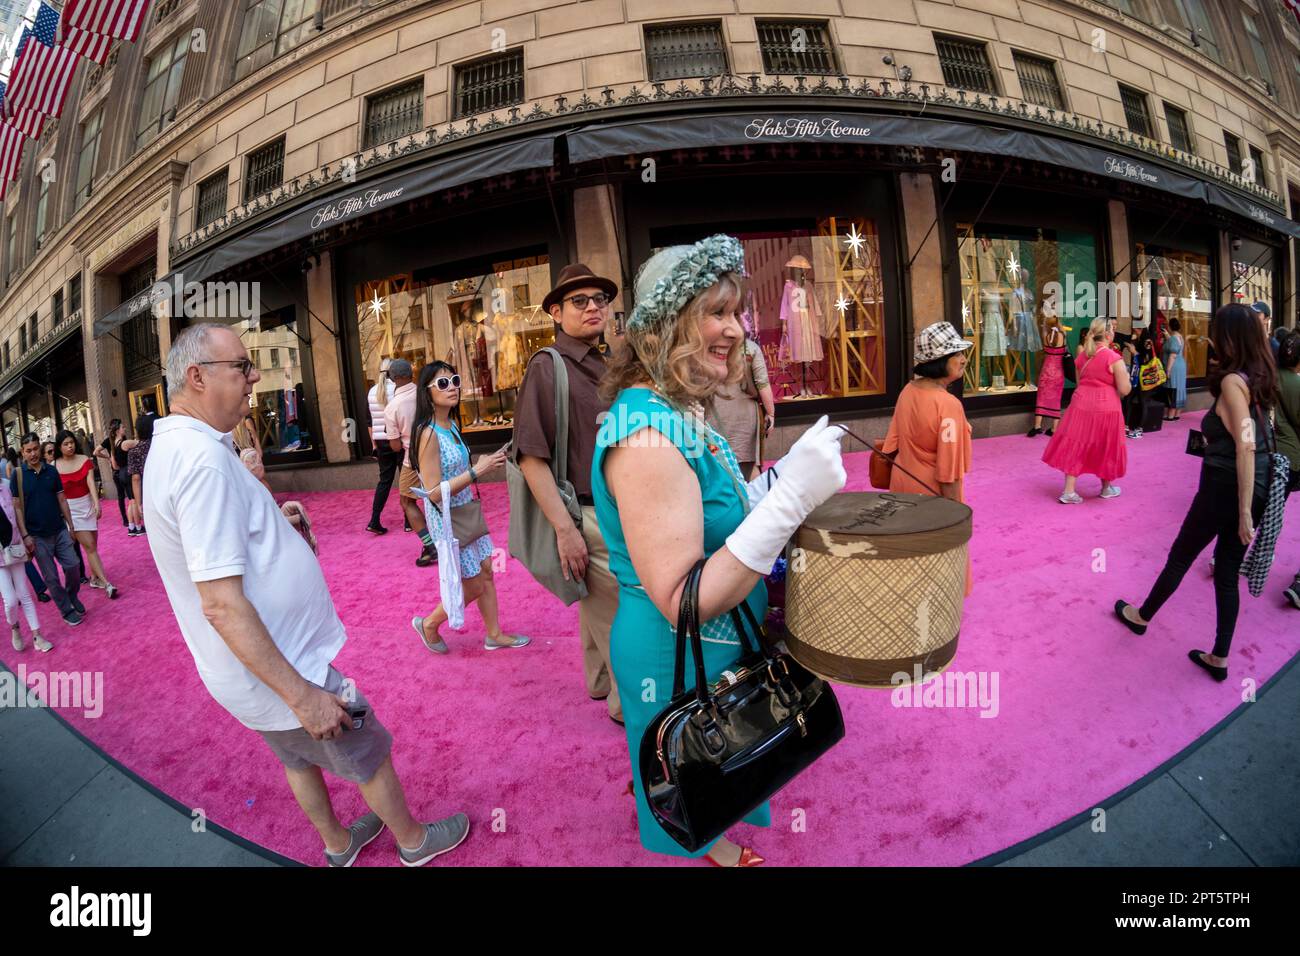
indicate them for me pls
(405, 177)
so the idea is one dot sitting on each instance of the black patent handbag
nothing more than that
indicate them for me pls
(714, 754)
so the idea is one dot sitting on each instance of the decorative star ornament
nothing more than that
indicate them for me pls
(965, 312)
(854, 240)
(1013, 268)
(376, 304)
(1193, 297)
(841, 303)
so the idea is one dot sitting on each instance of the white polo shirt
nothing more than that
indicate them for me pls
(209, 518)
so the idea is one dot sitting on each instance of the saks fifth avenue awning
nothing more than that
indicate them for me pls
(754, 129)
(347, 203)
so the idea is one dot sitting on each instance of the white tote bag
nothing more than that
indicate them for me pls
(449, 584)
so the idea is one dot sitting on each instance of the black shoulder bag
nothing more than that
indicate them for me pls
(715, 754)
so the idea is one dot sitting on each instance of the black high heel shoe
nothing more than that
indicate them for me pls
(1218, 673)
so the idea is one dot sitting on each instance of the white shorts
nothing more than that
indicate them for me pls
(83, 514)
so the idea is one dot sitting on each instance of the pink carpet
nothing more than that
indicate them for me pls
(510, 737)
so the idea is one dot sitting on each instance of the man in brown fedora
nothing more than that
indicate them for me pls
(579, 304)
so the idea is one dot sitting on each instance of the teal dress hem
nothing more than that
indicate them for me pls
(642, 640)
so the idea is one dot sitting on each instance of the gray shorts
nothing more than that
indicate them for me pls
(355, 755)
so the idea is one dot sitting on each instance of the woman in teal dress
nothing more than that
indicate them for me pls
(1175, 372)
(668, 491)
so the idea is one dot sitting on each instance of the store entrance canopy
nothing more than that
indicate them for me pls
(763, 129)
(340, 206)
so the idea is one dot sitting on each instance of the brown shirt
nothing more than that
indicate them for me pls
(535, 408)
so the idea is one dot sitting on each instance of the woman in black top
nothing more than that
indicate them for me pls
(118, 445)
(1233, 484)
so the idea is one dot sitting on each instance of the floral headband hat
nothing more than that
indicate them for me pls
(672, 277)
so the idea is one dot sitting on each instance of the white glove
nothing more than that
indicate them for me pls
(810, 474)
(761, 485)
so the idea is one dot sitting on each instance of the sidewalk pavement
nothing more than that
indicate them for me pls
(1227, 800)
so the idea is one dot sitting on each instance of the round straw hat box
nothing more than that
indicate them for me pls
(879, 587)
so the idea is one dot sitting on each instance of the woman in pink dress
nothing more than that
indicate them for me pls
(1091, 437)
(1051, 381)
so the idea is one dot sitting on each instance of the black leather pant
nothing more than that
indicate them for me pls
(1212, 515)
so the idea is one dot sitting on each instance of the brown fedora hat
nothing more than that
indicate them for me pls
(576, 276)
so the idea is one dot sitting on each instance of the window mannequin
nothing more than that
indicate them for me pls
(801, 319)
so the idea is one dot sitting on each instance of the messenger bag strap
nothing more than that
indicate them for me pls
(560, 460)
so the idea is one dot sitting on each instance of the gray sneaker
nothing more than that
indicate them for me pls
(363, 832)
(438, 839)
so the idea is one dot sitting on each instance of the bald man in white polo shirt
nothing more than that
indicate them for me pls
(253, 606)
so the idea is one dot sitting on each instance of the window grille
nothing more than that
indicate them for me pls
(265, 170)
(800, 48)
(394, 113)
(965, 64)
(490, 84)
(1179, 135)
(675, 51)
(1135, 111)
(1038, 82)
(210, 202)
(1234, 151)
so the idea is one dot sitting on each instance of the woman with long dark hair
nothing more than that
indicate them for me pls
(135, 460)
(440, 454)
(1233, 485)
(76, 472)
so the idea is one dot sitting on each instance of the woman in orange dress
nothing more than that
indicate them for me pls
(929, 435)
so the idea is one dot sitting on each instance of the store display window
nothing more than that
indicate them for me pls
(1253, 265)
(1178, 285)
(1015, 283)
(486, 322)
(282, 403)
(13, 429)
(278, 398)
(816, 306)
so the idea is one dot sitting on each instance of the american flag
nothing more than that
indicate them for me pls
(1294, 7)
(42, 69)
(114, 18)
(11, 154)
(29, 121)
(93, 46)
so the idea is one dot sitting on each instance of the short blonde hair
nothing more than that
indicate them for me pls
(672, 354)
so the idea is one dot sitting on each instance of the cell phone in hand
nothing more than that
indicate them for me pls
(358, 716)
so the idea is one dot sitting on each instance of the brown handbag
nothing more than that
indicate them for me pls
(882, 469)
(467, 521)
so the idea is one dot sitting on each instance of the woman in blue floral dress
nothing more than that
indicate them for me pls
(437, 401)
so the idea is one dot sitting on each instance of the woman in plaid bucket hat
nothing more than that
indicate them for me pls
(929, 434)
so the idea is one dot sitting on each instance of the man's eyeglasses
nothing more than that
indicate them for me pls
(581, 299)
(443, 384)
(244, 365)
